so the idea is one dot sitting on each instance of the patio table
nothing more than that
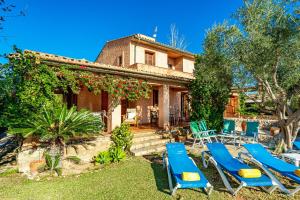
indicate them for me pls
(295, 157)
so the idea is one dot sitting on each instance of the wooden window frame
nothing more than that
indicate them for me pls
(153, 57)
(120, 61)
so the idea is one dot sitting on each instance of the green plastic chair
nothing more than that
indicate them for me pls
(228, 126)
(204, 129)
(198, 134)
(251, 131)
(228, 131)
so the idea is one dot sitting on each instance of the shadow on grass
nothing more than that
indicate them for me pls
(213, 175)
(160, 173)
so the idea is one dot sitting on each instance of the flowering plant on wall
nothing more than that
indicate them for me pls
(118, 87)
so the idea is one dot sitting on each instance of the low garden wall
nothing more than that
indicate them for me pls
(85, 151)
(264, 124)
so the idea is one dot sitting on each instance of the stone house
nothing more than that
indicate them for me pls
(168, 70)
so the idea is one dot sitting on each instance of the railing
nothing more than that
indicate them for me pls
(161, 70)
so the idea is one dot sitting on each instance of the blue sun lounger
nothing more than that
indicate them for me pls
(260, 156)
(177, 161)
(296, 144)
(220, 157)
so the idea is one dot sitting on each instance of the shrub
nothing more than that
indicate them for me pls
(53, 163)
(102, 158)
(116, 154)
(122, 137)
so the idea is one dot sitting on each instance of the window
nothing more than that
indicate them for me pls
(155, 97)
(149, 58)
(120, 61)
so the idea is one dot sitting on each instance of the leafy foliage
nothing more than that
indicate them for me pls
(53, 162)
(269, 50)
(265, 50)
(103, 158)
(250, 110)
(58, 124)
(213, 77)
(27, 85)
(116, 154)
(122, 137)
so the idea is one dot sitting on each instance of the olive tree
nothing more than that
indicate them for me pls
(269, 48)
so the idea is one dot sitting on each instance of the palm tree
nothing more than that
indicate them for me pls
(57, 125)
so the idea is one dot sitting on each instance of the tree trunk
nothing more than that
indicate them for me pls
(289, 129)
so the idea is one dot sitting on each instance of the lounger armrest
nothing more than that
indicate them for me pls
(245, 154)
(204, 161)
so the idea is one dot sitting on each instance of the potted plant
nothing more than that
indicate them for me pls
(180, 135)
(274, 131)
(244, 125)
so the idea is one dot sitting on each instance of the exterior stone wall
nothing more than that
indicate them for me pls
(112, 50)
(85, 151)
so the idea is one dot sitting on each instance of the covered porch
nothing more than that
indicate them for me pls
(166, 106)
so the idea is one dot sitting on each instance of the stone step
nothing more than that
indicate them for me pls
(149, 150)
(143, 133)
(143, 137)
(146, 143)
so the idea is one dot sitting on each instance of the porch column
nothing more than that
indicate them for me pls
(178, 102)
(115, 119)
(164, 106)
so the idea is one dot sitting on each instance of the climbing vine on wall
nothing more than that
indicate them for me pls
(27, 84)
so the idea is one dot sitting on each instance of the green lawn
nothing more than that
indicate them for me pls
(135, 178)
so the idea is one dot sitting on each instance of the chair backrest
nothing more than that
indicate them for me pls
(131, 113)
(252, 129)
(176, 150)
(222, 156)
(219, 152)
(202, 125)
(258, 151)
(194, 126)
(266, 158)
(229, 126)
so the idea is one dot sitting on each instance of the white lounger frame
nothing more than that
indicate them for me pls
(225, 180)
(269, 173)
(208, 189)
(228, 136)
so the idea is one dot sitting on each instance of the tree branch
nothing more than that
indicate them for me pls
(274, 77)
(295, 117)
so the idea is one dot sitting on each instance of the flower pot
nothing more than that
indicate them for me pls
(274, 131)
(244, 126)
(179, 138)
(34, 165)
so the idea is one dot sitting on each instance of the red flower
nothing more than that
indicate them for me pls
(82, 67)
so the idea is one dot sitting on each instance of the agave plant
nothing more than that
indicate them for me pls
(57, 125)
